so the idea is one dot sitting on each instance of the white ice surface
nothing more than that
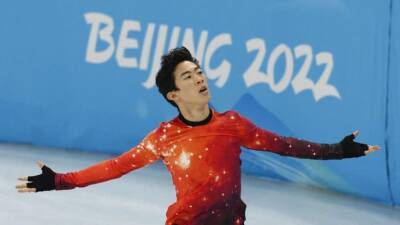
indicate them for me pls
(142, 197)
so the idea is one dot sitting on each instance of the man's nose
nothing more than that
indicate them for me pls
(199, 79)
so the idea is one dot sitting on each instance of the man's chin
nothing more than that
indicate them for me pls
(205, 101)
(208, 98)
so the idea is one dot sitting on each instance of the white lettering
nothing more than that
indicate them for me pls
(96, 19)
(144, 57)
(287, 76)
(188, 42)
(126, 43)
(222, 71)
(160, 45)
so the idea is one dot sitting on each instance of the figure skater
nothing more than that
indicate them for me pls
(200, 148)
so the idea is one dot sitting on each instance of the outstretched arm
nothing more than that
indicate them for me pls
(139, 156)
(257, 138)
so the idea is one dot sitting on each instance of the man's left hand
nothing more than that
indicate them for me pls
(352, 148)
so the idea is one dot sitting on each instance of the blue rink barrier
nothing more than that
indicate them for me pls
(81, 76)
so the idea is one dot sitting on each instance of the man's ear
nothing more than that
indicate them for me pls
(172, 96)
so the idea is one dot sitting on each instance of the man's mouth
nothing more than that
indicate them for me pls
(203, 89)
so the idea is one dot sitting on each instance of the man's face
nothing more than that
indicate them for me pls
(192, 85)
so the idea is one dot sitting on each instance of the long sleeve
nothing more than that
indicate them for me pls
(256, 138)
(143, 154)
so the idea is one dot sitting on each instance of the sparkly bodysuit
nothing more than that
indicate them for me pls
(204, 163)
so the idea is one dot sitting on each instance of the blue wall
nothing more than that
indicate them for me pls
(81, 76)
(393, 102)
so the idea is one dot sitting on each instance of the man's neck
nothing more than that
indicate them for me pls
(195, 114)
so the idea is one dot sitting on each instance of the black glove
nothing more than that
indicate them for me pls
(350, 148)
(44, 181)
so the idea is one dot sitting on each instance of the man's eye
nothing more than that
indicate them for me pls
(187, 77)
(200, 72)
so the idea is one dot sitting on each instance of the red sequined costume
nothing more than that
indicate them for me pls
(204, 163)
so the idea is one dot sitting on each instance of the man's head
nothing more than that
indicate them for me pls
(180, 79)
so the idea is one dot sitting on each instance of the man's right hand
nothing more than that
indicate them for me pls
(41, 182)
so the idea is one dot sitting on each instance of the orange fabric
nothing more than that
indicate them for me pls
(204, 163)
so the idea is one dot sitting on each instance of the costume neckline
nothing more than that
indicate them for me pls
(196, 123)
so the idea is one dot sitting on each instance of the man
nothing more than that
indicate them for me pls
(201, 149)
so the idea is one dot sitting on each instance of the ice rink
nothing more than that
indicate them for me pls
(142, 197)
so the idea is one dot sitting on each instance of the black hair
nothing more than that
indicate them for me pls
(165, 79)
